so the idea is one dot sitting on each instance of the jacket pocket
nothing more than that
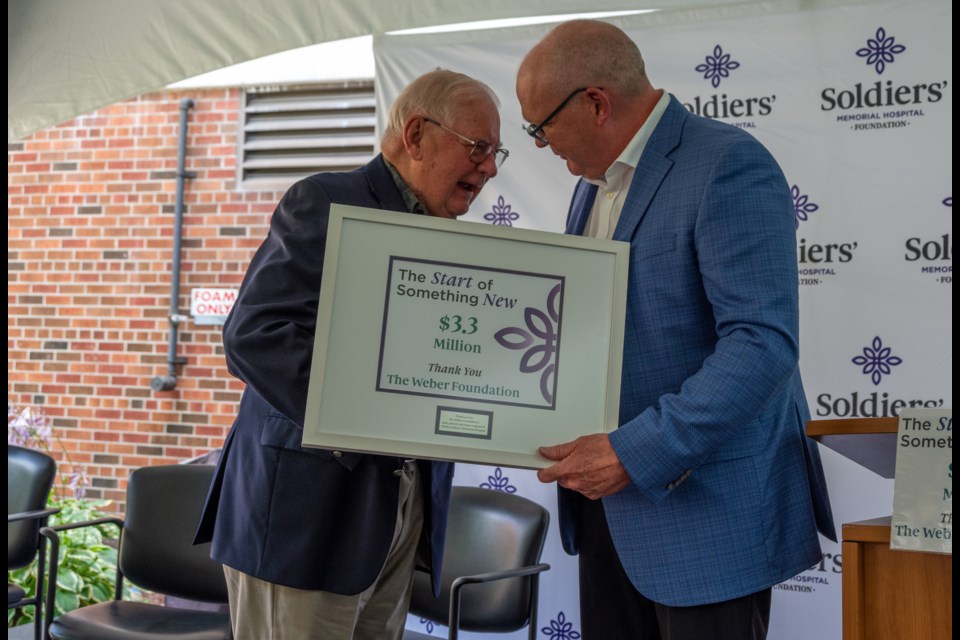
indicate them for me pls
(280, 431)
(646, 248)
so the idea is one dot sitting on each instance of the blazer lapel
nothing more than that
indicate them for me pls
(652, 169)
(382, 186)
(583, 197)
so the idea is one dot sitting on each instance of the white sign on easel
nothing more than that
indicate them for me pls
(923, 486)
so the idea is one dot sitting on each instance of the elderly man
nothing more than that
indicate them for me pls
(709, 492)
(316, 543)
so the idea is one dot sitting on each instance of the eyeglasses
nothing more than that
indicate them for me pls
(481, 149)
(536, 130)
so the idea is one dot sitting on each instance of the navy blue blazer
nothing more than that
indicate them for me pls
(727, 492)
(303, 517)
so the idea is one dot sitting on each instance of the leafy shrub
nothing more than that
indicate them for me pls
(88, 561)
(88, 556)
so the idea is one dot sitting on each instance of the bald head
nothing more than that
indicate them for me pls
(584, 53)
(585, 92)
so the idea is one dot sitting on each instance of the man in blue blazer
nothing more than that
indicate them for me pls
(317, 543)
(711, 491)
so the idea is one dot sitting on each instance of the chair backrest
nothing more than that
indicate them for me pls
(30, 476)
(486, 531)
(157, 550)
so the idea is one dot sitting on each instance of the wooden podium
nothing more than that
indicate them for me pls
(887, 595)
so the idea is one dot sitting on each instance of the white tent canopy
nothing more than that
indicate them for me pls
(66, 58)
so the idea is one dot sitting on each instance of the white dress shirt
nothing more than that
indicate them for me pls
(615, 184)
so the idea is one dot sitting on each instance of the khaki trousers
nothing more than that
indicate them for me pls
(265, 611)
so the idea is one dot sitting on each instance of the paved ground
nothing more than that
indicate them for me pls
(23, 632)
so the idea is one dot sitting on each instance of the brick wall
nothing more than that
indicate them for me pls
(90, 223)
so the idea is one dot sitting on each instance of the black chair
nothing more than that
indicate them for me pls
(490, 577)
(156, 553)
(30, 475)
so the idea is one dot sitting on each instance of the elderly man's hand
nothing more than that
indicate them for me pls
(588, 465)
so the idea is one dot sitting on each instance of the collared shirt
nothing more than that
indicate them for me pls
(409, 197)
(413, 206)
(615, 184)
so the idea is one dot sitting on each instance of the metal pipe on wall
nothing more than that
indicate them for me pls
(169, 381)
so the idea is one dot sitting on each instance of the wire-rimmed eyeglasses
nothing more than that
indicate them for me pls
(536, 130)
(480, 150)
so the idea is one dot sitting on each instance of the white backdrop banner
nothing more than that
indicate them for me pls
(855, 101)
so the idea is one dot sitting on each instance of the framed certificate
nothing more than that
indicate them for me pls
(462, 341)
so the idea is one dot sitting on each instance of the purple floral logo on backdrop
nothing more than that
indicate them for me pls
(717, 66)
(948, 202)
(560, 629)
(880, 50)
(801, 204)
(876, 361)
(427, 624)
(538, 340)
(502, 214)
(499, 482)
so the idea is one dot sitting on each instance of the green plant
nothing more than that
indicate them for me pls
(88, 556)
(88, 561)
(30, 428)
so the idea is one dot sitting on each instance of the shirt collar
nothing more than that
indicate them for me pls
(409, 197)
(629, 158)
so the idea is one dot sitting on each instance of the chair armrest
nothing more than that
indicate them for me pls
(31, 515)
(53, 535)
(459, 583)
(86, 523)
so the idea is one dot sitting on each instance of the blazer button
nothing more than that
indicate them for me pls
(676, 483)
(337, 454)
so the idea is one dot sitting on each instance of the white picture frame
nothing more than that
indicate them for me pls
(452, 340)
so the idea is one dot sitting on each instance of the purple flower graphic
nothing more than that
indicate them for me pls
(539, 355)
(428, 625)
(948, 201)
(499, 482)
(560, 629)
(876, 361)
(801, 204)
(502, 214)
(717, 66)
(880, 50)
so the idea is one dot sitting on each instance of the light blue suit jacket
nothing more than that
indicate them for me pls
(728, 492)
